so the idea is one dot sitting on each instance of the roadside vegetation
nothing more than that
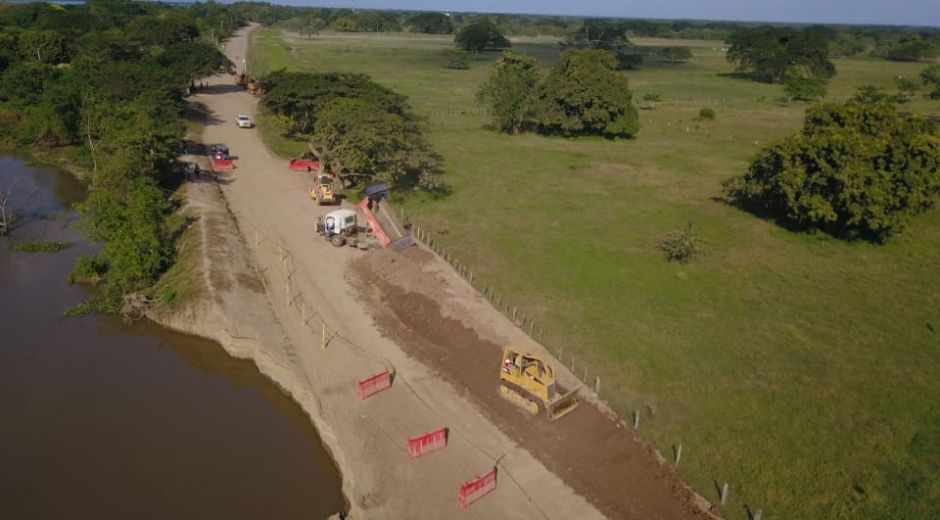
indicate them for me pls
(798, 367)
(103, 83)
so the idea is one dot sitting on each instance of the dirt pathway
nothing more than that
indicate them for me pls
(276, 218)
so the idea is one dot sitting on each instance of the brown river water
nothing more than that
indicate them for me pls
(103, 420)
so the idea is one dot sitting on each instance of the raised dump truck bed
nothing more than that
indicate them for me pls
(378, 212)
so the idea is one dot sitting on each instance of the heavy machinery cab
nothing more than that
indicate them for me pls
(526, 376)
(338, 222)
(337, 225)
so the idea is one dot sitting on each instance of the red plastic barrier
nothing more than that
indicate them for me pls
(305, 165)
(223, 164)
(427, 443)
(375, 384)
(477, 488)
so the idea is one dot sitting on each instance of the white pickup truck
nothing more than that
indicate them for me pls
(243, 121)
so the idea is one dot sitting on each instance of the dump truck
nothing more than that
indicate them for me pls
(378, 212)
(322, 191)
(378, 222)
(341, 227)
(529, 382)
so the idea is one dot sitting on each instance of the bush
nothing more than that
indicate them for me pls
(682, 246)
(856, 170)
(804, 89)
(456, 59)
(41, 247)
(655, 98)
(87, 269)
(706, 114)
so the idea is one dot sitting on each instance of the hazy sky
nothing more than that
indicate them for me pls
(901, 12)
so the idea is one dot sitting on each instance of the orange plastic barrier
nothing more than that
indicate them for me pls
(477, 488)
(223, 164)
(375, 384)
(427, 443)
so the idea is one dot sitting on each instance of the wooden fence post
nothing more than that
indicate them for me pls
(597, 385)
(678, 454)
(636, 419)
(724, 493)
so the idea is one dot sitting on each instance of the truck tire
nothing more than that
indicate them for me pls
(337, 240)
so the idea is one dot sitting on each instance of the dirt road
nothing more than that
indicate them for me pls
(380, 320)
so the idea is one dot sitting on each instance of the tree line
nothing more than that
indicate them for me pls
(104, 83)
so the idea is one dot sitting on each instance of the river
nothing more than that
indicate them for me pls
(99, 419)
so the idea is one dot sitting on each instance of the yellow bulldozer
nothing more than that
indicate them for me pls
(526, 380)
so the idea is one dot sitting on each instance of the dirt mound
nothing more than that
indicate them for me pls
(416, 304)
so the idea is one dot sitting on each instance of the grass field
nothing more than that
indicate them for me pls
(802, 370)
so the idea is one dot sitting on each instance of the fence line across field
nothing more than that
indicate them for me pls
(519, 317)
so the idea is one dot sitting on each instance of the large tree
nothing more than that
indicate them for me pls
(584, 94)
(859, 169)
(771, 54)
(431, 23)
(510, 90)
(357, 128)
(479, 36)
(355, 138)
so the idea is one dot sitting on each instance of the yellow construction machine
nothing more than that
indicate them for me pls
(525, 376)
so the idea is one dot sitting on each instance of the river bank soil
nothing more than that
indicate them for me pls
(273, 290)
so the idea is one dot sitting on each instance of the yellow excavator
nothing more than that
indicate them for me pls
(525, 376)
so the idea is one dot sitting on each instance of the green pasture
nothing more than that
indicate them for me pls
(802, 370)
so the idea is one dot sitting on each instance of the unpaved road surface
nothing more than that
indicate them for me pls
(411, 312)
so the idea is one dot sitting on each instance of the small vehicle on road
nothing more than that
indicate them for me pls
(243, 121)
(219, 152)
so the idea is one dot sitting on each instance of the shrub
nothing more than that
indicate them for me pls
(682, 246)
(87, 269)
(42, 247)
(856, 170)
(804, 89)
(706, 114)
(456, 59)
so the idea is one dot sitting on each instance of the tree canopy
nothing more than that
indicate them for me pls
(771, 54)
(357, 128)
(856, 170)
(510, 90)
(431, 23)
(583, 94)
(107, 78)
(479, 36)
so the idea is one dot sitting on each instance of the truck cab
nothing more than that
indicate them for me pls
(337, 225)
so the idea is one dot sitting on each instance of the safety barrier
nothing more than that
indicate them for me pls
(477, 488)
(223, 164)
(305, 165)
(375, 384)
(427, 443)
